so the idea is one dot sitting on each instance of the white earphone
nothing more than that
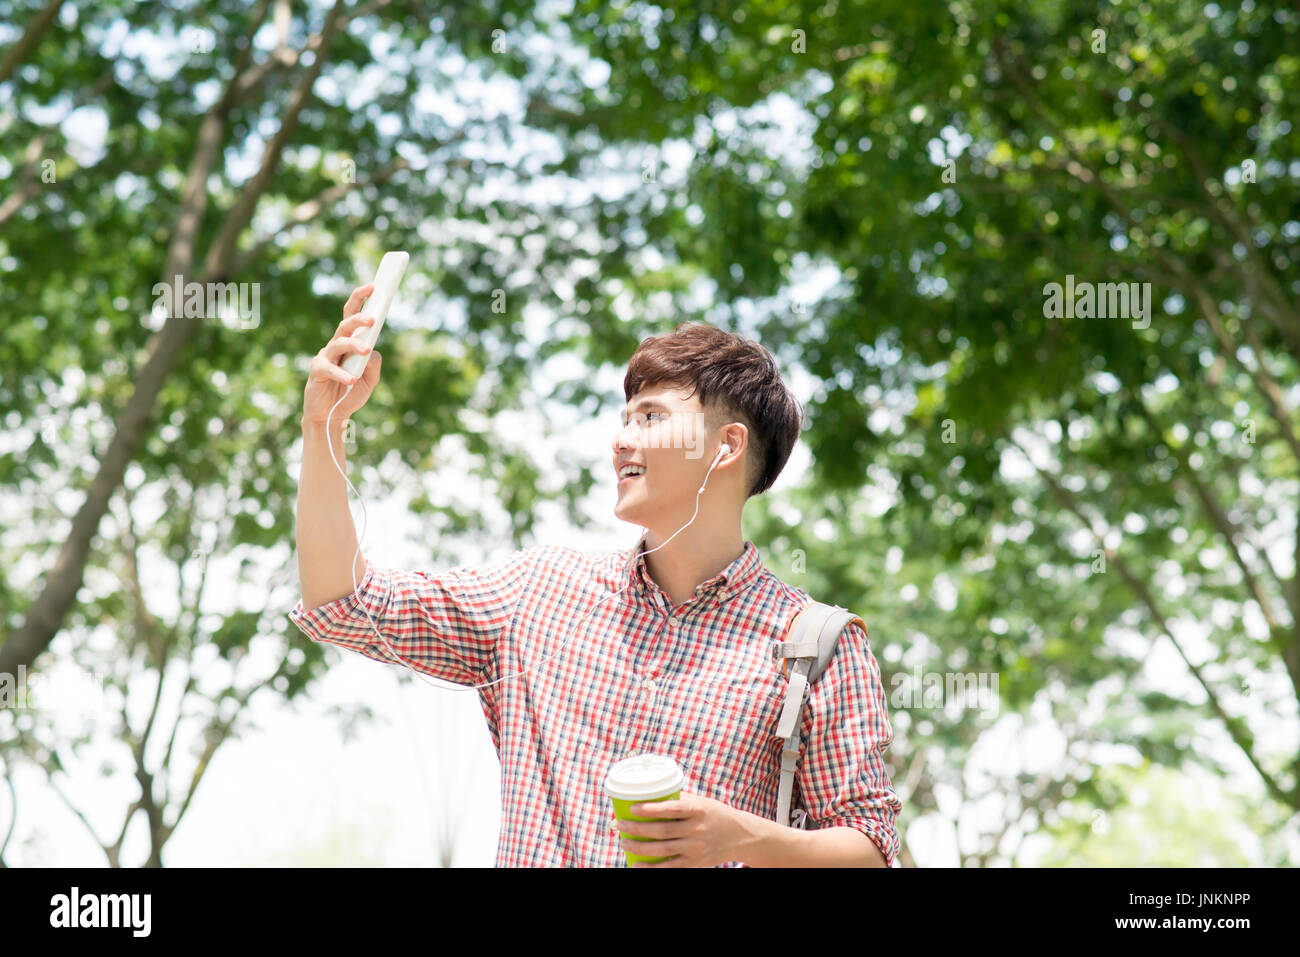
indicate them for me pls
(723, 450)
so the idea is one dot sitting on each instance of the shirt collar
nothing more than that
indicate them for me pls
(735, 578)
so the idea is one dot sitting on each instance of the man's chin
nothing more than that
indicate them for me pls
(634, 512)
(625, 513)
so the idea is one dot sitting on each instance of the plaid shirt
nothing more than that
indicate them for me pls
(696, 682)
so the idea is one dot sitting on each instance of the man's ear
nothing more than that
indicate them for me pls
(736, 436)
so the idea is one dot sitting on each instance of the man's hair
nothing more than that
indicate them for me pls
(737, 381)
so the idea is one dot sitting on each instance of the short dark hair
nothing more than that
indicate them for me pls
(741, 379)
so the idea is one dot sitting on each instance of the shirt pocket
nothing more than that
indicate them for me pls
(725, 729)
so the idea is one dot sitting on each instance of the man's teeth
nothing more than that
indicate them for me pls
(627, 470)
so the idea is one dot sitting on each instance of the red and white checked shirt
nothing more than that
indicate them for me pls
(696, 682)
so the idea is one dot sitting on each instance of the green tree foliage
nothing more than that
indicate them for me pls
(1166, 821)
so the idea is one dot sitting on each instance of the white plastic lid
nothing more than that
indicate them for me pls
(643, 778)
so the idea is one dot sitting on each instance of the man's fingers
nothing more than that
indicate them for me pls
(656, 829)
(353, 305)
(331, 371)
(354, 324)
(337, 349)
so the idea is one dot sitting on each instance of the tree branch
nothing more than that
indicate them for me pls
(1273, 300)
(220, 254)
(1215, 511)
(32, 36)
(27, 182)
(27, 186)
(1263, 380)
(1236, 728)
(58, 592)
(72, 807)
(115, 852)
(308, 211)
(13, 800)
(1260, 375)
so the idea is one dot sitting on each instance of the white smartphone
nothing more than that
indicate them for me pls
(391, 269)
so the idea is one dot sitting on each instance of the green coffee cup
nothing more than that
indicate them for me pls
(640, 780)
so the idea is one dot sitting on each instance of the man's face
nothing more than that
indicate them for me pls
(663, 432)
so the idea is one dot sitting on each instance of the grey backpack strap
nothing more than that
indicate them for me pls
(809, 645)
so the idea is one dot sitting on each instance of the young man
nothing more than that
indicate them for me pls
(666, 652)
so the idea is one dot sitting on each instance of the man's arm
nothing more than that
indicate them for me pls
(842, 779)
(327, 538)
(327, 541)
(449, 624)
(769, 844)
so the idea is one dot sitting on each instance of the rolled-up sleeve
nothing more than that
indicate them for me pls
(447, 624)
(842, 777)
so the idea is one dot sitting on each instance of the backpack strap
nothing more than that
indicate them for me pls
(810, 642)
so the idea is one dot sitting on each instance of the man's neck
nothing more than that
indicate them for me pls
(699, 553)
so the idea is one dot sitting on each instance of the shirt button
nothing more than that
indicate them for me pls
(649, 684)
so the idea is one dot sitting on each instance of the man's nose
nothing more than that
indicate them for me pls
(622, 435)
